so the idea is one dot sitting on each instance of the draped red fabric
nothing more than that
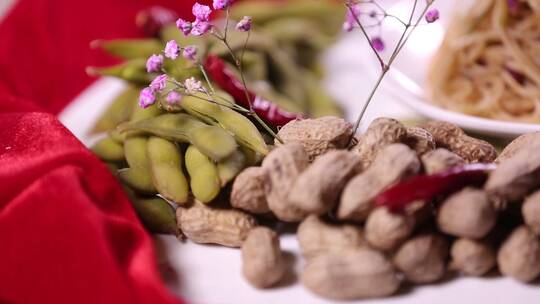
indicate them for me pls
(67, 232)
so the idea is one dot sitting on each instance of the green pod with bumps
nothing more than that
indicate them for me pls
(213, 141)
(230, 167)
(203, 173)
(109, 150)
(166, 162)
(138, 180)
(156, 215)
(129, 48)
(139, 174)
(240, 126)
(119, 110)
(327, 14)
(133, 71)
(117, 136)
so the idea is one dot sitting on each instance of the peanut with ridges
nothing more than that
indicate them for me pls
(206, 225)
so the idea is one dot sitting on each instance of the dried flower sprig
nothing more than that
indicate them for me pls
(352, 20)
(191, 86)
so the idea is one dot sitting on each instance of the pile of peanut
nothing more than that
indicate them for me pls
(355, 250)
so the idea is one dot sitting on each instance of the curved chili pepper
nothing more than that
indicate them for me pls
(225, 79)
(425, 187)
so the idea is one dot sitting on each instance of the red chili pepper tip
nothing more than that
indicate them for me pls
(425, 187)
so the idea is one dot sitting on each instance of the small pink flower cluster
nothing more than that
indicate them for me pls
(148, 95)
(202, 25)
(353, 15)
(172, 50)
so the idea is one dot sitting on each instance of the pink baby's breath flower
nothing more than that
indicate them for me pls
(192, 85)
(350, 18)
(378, 44)
(154, 63)
(244, 25)
(190, 52)
(200, 28)
(172, 50)
(147, 98)
(159, 83)
(173, 98)
(221, 4)
(184, 26)
(201, 12)
(432, 15)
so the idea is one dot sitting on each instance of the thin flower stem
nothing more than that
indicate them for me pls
(368, 100)
(415, 26)
(203, 71)
(351, 10)
(226, 29)
(385, 67)
(252, 113)
(407, 26)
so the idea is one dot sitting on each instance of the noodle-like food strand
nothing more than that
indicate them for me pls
(489, 62)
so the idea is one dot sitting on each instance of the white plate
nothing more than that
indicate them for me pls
(406, 79)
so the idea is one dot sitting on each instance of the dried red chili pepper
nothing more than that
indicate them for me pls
(226, 80)
(151, 20)
(426, 187)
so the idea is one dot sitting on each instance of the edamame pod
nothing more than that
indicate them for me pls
(252, 158)
(137, 179)
(203, 174)
(133, 71)
(229, 168)
(129, 48)
(328, 14)
(139, 174)
(166, 164)
(295, 30)
(117, 136)
(118, 111)
(289, 80)
(156, 215)
(141, 114)
(108, 150)
(258, 42)
(243, 129)
(210, 140)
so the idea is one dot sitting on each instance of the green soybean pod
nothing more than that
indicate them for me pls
(156, 215)
(139, 174)
(109, 150)
(133, 71)
(213, 141)
(118, 111)
(203, 174)
(166, 164)
(138, 180)
(117, 136)
(129, 48)
(327, 14)
(243, 129)
(230, 167)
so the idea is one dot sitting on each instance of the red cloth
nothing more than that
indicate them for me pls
(67, 231)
